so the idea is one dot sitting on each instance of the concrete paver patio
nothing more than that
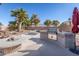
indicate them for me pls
(33, 46)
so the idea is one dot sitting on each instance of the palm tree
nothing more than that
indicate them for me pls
(34, 16)
(28, 22)
(65, 26)
(0, 25)
(12, 25)
(61, 26)
(69, 19)
(21, 16)
(55, 23)
(36, 21)
(47, 22)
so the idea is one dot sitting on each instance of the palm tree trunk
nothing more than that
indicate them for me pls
(37, 24)
(19, 26)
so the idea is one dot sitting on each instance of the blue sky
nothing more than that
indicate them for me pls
(44, 11)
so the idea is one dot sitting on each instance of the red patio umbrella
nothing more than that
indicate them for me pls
(75, 20)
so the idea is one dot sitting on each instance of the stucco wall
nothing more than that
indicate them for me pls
(66, 39)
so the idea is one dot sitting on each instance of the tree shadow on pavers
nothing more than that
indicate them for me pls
(37, 40)
(1, 53)
(31, 52)
(74, 51)
(30, 33)
(40, 41)
(47, 49)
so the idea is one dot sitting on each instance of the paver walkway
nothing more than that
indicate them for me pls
(33, 46)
